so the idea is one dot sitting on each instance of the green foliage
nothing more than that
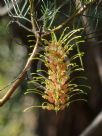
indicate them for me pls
(20, 11)
(49, 12)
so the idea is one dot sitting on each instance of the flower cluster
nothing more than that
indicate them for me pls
(56, 84)
(57, 88)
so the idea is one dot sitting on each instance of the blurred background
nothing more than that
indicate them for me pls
(14, 51)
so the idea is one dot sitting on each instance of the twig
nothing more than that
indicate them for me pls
(32, 17)
(22, 75)
(24, 27)
(20, 17)
(10, 83)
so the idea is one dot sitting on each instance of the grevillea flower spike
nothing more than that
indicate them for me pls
(57, 88)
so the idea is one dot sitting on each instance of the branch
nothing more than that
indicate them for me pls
(32, 17)
(95, 128)
(23, 26)
(22, 75)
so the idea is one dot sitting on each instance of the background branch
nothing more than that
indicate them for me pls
(95, 128)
